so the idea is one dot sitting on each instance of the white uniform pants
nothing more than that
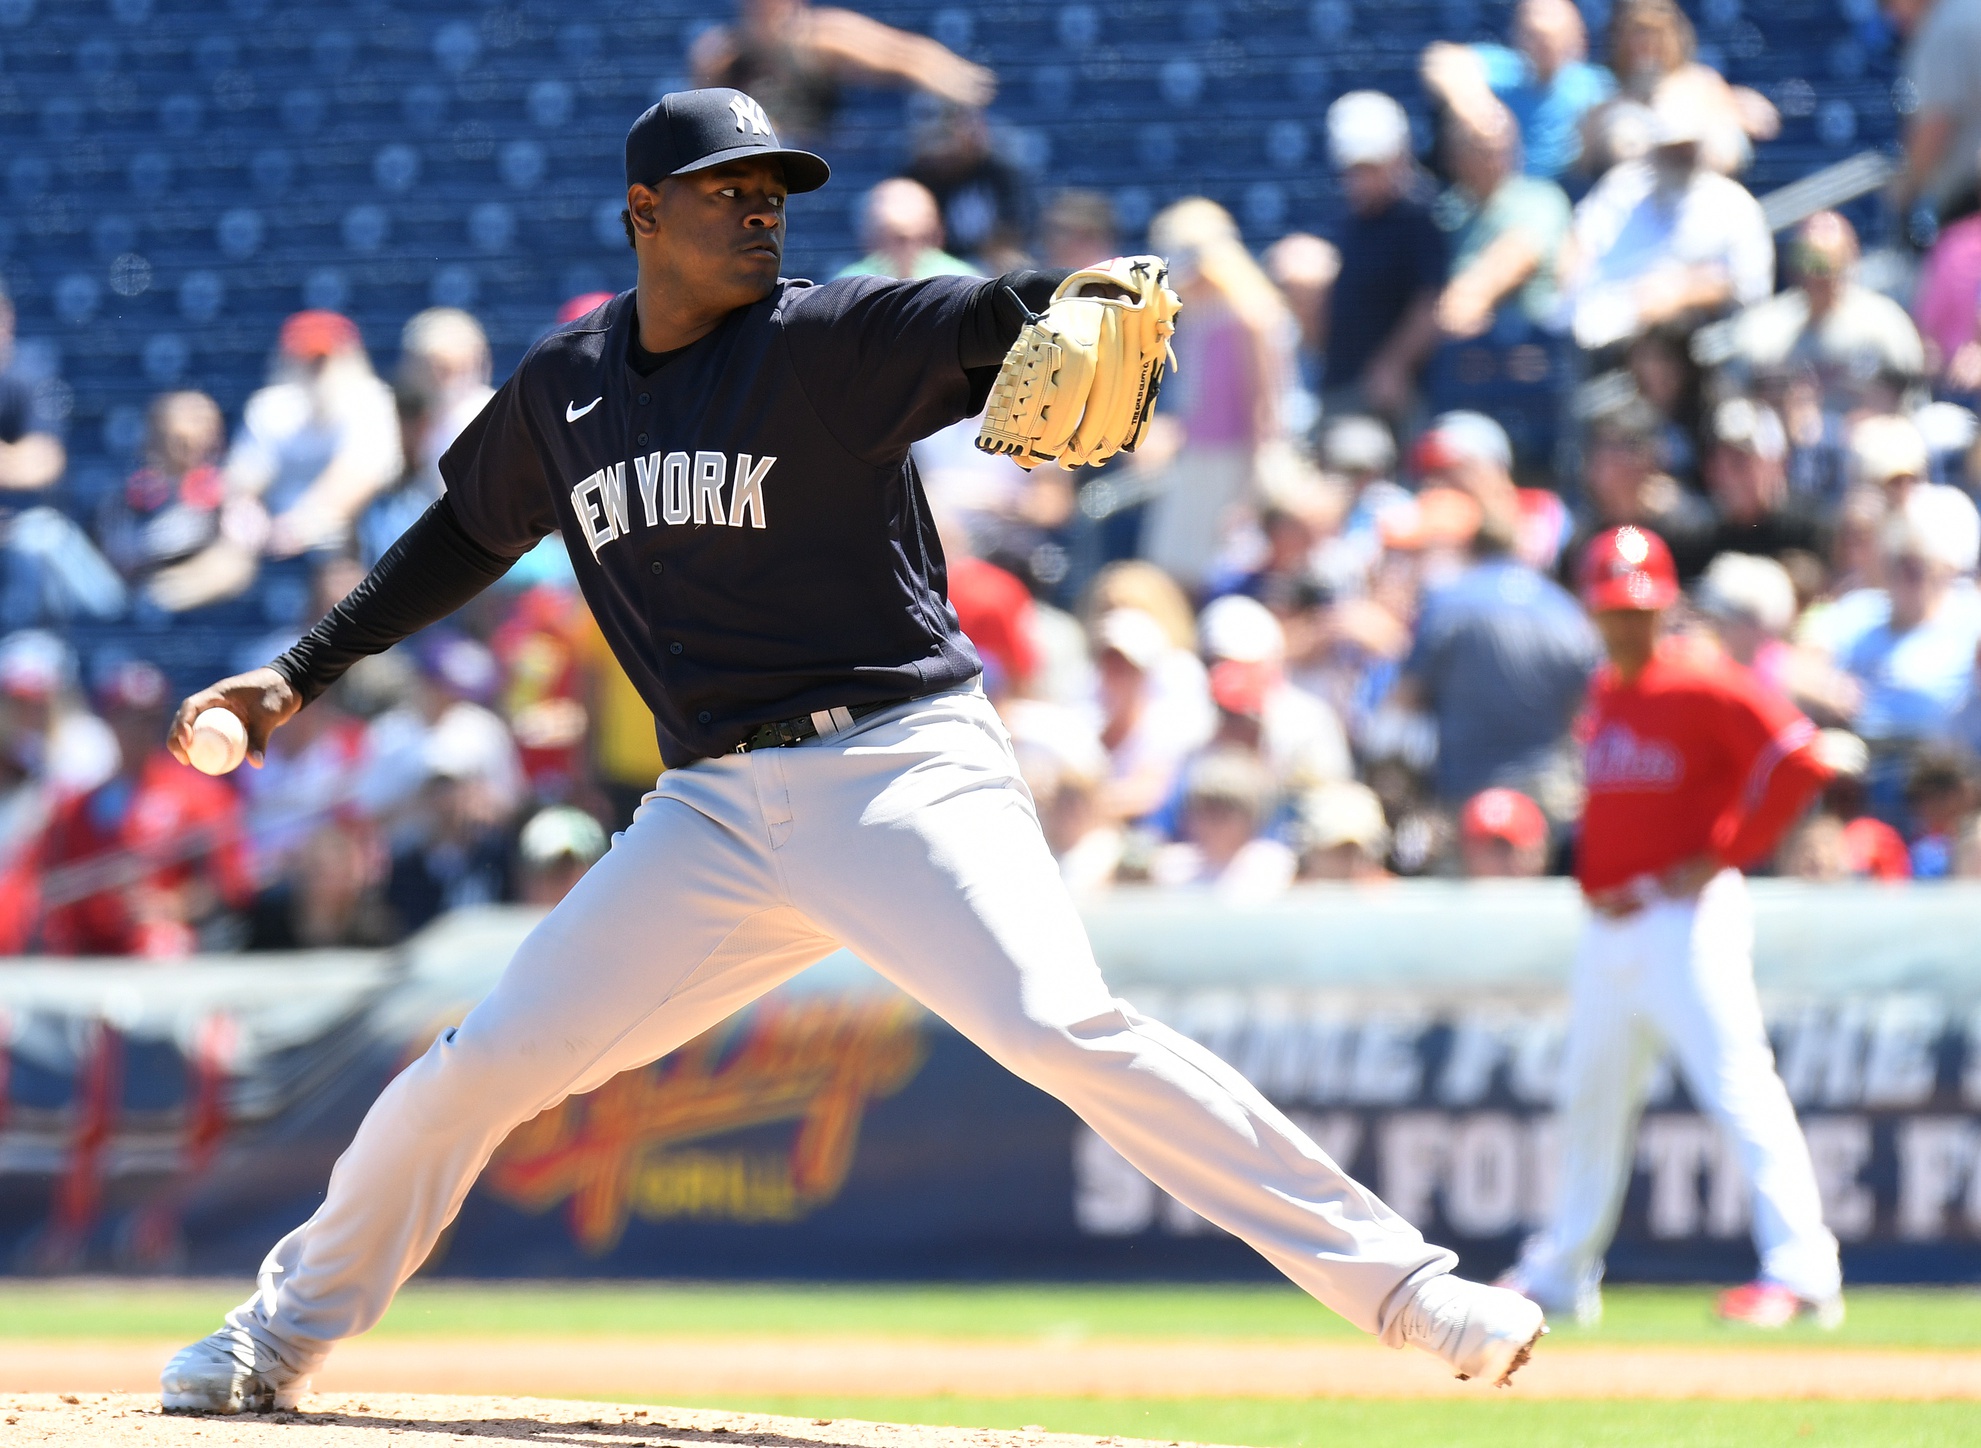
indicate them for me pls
(911, 840)
(1677, 975)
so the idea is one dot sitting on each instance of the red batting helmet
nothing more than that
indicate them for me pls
(1628, 568)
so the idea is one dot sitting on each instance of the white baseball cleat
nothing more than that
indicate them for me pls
(229, 1371)
(1482, 1332)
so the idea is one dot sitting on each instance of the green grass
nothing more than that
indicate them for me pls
(1484, 1423)
(1879, 1317)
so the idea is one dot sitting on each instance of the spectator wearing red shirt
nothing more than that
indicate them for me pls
(540, 645)
(146, 861)
(994, 609)
(1693, 770)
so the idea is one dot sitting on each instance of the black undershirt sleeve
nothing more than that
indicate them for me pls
(432, 570)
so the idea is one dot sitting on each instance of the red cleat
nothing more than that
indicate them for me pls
(1769, 1304)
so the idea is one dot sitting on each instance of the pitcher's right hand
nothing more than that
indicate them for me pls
(261, 698)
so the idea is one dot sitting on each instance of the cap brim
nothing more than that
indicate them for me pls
(1345, 156)
(1631, 591)
(802, 170)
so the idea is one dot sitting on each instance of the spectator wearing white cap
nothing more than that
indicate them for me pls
(1382, 325)
(555, 849)
(1147, 737)
(1747, 479)
(446, 730)
(46, 731)
(1888, 452)
(1750, 603)
(1297, 735)
(1341, 833)
(1915, 665)
(1664, 240)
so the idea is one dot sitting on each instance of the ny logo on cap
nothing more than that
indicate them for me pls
(750, 115)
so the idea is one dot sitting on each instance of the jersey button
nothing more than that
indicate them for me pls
(643, 439)
(656, 565)
(674, 648)
(645, 398)
(705, 716)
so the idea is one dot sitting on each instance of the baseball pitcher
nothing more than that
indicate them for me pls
(1693, 771)
(726, 454)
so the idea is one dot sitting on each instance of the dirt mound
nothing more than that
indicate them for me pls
(350, 1420)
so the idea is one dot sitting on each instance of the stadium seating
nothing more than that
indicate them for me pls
(180, 174)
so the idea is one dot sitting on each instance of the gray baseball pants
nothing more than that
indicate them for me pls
(910, 839)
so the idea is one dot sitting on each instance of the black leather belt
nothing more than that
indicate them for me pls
(786, 732)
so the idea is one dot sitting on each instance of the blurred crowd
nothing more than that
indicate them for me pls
(1319, 627)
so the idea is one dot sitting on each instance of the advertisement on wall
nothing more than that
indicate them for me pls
(182, 1119)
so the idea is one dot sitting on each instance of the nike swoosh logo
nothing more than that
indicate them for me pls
(572, 412)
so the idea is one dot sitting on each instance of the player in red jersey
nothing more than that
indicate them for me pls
(1694, 770)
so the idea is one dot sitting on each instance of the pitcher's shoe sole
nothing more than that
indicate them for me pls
(1519, 1359)
(1477, 1331)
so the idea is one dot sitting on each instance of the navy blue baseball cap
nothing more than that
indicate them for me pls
(693, 130)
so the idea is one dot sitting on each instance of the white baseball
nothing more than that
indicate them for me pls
(220, 742)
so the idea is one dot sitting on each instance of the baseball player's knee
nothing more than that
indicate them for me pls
(464, 1076)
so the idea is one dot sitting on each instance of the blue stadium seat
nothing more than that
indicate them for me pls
(181, 176)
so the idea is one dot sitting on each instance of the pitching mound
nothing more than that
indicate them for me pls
(351, 1420)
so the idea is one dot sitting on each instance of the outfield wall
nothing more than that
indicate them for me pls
(181, 1118)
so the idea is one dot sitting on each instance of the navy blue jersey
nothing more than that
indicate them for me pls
(746, 522)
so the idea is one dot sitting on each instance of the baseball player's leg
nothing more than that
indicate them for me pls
(1606, 1061)
(1706, 1006)
(674, 929)
(945, 886)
